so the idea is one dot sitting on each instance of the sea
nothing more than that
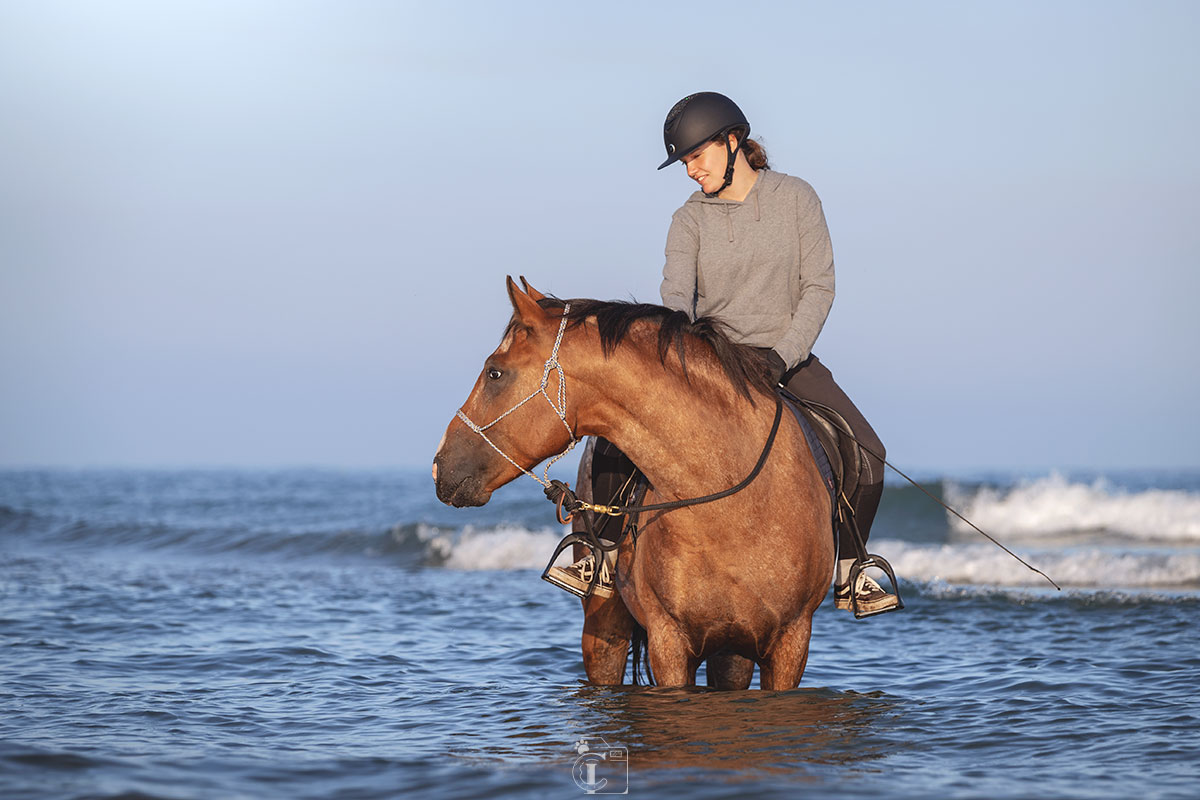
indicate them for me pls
(218, 633)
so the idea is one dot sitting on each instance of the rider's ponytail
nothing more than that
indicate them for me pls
(755, 154)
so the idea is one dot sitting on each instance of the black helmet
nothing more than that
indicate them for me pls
(699, 118)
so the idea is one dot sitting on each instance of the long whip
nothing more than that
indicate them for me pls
(978, 530)
(937, 500)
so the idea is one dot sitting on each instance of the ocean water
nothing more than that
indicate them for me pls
(296, 634)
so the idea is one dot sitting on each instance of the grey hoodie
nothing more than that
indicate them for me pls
(764, 266)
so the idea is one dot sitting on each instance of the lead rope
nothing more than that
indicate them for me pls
(560, 409)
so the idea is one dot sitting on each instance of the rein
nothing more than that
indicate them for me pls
(560, 494)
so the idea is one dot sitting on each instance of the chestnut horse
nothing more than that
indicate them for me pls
(735, 581)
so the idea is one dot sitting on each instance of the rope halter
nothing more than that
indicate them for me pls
(560, 409)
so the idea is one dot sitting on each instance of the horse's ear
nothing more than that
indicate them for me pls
(532, 292)
(525, 308)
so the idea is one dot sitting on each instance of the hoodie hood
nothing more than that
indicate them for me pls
(767, 182)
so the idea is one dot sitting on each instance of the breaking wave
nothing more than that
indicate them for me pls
(1082, 567)
(1083, 533)
(1055, 506)
(505, 547)
(416, 544)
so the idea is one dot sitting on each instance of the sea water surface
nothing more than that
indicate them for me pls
(303, 633)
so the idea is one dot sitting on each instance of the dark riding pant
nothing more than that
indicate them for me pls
(812, 380)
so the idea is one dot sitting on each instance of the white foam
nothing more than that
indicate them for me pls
(1054, 505)
(504, 547)
(985, 564)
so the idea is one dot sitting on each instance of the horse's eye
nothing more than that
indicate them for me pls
(494, 374)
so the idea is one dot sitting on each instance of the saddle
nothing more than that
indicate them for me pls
(839, 458)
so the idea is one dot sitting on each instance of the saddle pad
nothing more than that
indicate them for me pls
(818, 451)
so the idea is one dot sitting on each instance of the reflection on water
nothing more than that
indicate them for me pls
(760, 731)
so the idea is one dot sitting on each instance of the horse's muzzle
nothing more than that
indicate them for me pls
(454, 488)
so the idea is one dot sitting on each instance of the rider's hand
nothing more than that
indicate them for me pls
(776, 365)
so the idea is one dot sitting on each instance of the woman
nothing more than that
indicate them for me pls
(752, 249)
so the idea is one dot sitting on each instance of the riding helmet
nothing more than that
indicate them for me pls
(699, 118)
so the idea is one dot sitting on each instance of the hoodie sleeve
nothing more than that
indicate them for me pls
(678, 288)
(816, 282)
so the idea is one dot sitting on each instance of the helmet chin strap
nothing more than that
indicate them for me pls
(729, 162)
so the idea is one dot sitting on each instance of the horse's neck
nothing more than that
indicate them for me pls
(689, 438)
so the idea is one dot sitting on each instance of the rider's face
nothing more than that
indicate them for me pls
(706, 165)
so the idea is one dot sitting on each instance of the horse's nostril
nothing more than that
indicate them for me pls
(435, 472)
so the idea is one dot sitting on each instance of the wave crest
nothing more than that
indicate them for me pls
(1098, 567)
(503, 547)
(1055, 506)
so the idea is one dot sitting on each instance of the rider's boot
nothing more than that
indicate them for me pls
(577, 577)
(872, 598)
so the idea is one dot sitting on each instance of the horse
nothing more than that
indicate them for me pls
(733, 582)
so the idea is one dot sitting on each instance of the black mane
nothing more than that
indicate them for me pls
(744, 365)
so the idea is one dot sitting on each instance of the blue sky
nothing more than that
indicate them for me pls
(276, 233)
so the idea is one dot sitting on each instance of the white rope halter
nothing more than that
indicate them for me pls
(560, 409)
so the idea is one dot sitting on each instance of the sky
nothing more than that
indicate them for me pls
(276, 233)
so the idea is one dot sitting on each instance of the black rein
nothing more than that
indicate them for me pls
(561, 494)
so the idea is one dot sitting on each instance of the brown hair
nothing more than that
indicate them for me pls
(756, 154)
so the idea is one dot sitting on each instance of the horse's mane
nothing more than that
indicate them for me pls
(743, 365)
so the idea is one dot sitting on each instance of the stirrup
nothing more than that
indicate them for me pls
(567, 541)
(857, 569)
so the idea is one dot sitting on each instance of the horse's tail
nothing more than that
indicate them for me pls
(641, 655)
